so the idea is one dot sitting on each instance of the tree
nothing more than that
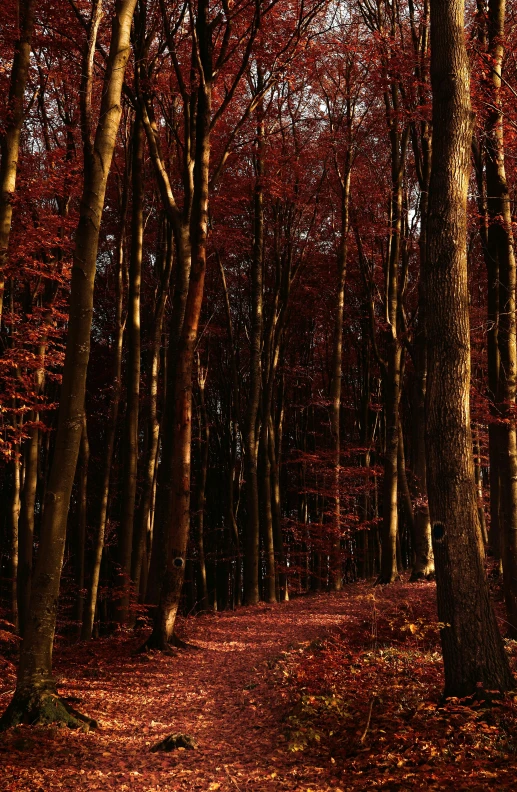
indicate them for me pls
(35, 698)
(473, 651)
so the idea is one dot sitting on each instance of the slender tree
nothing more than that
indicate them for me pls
(35, 698)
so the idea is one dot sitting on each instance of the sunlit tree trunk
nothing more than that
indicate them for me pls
(423, 562)
(473, 650)
(35, 698)
(232, 476)
(392, 375)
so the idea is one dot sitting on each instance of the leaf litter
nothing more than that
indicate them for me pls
(326, 693)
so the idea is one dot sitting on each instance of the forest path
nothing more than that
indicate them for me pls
(223, 695)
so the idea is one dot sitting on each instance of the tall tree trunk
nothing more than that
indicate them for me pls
(149, 467)
(479, 488)
(423, 561)
(392, 374)
(133, 374)
(204, 438)
(10, 135)
(473, 650)
(80, 536)
(163, 504)
(14, 515)
(404, 493)
(501, 249)
(266, 514)
(336, 579)
(178, 518)
(252, 547)
(111, 430)
(35, 698)
(275, 440)
(26, 525)
(493, 285)
(234, 438)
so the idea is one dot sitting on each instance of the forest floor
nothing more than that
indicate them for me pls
(326, 693)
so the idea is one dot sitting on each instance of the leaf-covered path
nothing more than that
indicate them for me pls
(272, 707)
(224, 695)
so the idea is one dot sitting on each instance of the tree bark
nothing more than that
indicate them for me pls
(153, 425)
(251, 555)
(336, 580)
(80, 537)
(204, 439)
(178, 519)
(501, 249)
(133, 375)
(98, 546)
(473, 651)
(35, 698)
(14, 519)
(26, 525)
(10, 136)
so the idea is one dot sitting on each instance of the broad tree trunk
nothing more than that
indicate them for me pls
(473, 650)
(35, 698)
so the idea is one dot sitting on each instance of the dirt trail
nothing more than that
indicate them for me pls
(223, 695)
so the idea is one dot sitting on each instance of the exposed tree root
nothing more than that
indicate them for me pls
(155, 643)
(42, 707)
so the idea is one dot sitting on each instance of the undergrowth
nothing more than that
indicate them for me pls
(367, 700)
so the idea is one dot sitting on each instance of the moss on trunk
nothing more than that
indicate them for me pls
(42, 707)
